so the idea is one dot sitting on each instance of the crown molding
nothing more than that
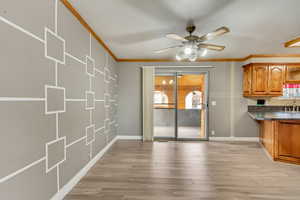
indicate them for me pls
(87, 26)
(272, 56)
(101, 42)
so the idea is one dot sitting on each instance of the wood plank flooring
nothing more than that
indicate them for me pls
(133, 170)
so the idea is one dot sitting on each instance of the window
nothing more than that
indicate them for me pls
(193, 100)
(160, 98)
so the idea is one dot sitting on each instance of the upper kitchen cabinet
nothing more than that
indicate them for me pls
(259, 79)
(263, 79)
(247, 80)
(293, 73)
(276, 79)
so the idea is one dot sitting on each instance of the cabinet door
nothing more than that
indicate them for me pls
(247, 80)
(289, 139)
(276, 79)
(293, 73)
(259, 79)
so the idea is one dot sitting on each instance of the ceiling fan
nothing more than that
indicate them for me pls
(192, 45)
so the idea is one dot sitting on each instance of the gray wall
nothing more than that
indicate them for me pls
(227, 118)
(50, 127)
(186, 117)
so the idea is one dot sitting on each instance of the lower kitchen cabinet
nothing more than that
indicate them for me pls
(281, 139)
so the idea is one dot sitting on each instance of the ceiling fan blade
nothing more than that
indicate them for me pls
(211, 47)
(175, 37)
(167, 49)
(217, 32)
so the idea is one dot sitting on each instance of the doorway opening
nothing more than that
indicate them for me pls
(180, 106)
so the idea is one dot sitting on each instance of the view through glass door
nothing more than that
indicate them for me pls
(164, 106)
(191, 106)
(180, 106)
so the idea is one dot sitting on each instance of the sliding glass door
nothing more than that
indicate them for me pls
(180, 106)
(164, 112)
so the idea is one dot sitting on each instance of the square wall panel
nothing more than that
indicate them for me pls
(55, 99)
(90, 134)
(90, 100)
(90, 66)
(55, 153)
(54, 46)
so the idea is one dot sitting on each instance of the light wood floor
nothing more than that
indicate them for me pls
(132, 170)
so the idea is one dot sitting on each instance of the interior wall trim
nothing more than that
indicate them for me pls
(234, 139)
(101, 42)
(87, 26)
(129, 137)
(73, 182)
(221, 139)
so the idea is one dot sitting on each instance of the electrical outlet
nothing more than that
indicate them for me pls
(213, 132)
(213, 103)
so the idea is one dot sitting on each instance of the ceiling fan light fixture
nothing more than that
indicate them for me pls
(293, 43)
(194, 55)
(221, 31)
(188, 50)
(204, 52)
(193, 58)
(180, 55)
(192, 46)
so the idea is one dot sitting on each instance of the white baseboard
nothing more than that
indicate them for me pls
(246, 139)
(235, 139)
(127, 137)
(69, 186)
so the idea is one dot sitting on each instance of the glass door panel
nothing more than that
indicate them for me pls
(164, 110)
(191, 113)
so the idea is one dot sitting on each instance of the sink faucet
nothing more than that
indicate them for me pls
(292, 107)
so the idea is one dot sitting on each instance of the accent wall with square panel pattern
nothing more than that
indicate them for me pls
(58, 98)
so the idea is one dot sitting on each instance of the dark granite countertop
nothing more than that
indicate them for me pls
(277, 115)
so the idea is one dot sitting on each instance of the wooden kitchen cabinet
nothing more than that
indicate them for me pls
(267, 128)
(259, 79)
(263, 79)
(276, 79)
(287, 147)
(247, 80)
(281, 139)
(293, 73)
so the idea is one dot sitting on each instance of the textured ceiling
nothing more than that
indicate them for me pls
(134, 28)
